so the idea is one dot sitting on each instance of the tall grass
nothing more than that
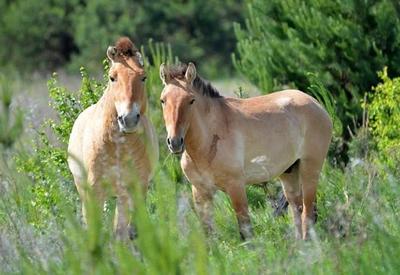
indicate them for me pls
(358, 228)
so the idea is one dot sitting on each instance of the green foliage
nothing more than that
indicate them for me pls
(196, 29)
(69, 105)
(384, 114)
(342, 42)
(52, 32)
(319, 91)
(35, 34)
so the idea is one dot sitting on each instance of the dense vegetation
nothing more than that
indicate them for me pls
(358, 228)
(62, 32)
(343, 42)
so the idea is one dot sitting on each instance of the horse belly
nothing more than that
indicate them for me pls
(261, 169)
(270, 157)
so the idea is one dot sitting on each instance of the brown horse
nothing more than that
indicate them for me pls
(113, 142)
(228, 143)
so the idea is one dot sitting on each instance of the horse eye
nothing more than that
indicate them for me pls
(144, 79)
(112, 78)
(192, 101)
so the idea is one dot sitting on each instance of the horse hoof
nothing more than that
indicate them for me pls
(132, 233)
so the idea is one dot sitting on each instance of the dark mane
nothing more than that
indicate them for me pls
(125, 46)
(201, 85)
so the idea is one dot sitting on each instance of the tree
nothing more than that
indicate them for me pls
(195, 29)
(35, 34)
(343, 42)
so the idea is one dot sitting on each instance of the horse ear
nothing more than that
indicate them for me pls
(111, 53)
(140, 58)
(163, 75)
(190, 74)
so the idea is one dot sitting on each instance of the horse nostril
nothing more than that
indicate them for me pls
(138, 116)
(181, 140)
(168, 141)
(119, 118)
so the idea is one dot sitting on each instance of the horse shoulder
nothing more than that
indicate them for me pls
(193, 172)
(201, 178)
(75, 142)
(81, 145)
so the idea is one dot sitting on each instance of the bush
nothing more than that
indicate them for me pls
(384, 114)
(343, 42)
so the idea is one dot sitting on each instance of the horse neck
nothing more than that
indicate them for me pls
(108, 113)
(203, 125)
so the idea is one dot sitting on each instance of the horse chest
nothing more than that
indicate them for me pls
(207, 175)
(123, 157)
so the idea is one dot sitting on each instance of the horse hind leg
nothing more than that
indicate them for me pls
(293, 193)
(309, 171)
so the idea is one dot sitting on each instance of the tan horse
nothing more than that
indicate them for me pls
(228, 143)
(113, 142)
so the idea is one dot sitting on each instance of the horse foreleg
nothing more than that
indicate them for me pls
(122, 219)
(92, 196)
(82, 194)
(237, 192)
(203, 202)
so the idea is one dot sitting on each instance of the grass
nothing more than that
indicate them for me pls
(357, 232)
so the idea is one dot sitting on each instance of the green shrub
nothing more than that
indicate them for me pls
(384, 112)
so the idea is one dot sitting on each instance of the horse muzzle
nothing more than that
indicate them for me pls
(128, 123)
(176, 145)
